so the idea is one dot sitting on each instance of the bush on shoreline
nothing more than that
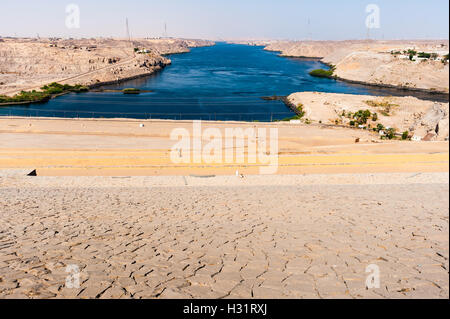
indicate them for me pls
(42, 96)
(321, 73)
(56, 88)
(25, 96)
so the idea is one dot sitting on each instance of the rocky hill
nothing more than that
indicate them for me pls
(27, 64)
(383, 63)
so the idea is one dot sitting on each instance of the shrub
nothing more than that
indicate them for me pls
(79, 88)
(300, 111)
(379, 127)
(424, 55)
(131, 91)
(390, 133)
(386, 105)
(361, 116)
(44, 95)
(56, 88)
(53, 88)
(321, 73)
(25, 96)
(374, 117)
(287, 119)
(405, 135)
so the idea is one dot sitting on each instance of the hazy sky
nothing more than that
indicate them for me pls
(225, 19)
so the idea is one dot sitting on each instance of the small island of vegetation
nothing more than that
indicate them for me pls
(321, 73)
(131, 91)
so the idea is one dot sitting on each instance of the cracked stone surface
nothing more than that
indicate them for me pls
(312, 241)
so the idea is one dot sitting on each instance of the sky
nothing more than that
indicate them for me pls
(227, 19)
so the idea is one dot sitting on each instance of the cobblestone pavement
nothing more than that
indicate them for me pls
(310, 241)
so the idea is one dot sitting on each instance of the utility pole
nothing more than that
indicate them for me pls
(309, 36)
(128, 30)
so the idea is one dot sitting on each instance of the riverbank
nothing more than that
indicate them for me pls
(383, 64)
(29, 64)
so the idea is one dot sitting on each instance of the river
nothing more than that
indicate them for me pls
(222, 82)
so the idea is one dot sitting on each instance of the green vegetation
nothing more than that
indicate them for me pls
(25, 96)
(56, 88)
(287, 119)
(379, 127)
(424, 55)
(374, 117)
(445, 59)
(390, 133)
(405, 135)
(410, 52)
(300, 112)
(272, 98)
(362, 116)
(131, 91)
(387, 106)
(41, 96)
(321, 73)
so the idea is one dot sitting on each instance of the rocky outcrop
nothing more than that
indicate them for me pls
(433, 124)
(420, 118)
